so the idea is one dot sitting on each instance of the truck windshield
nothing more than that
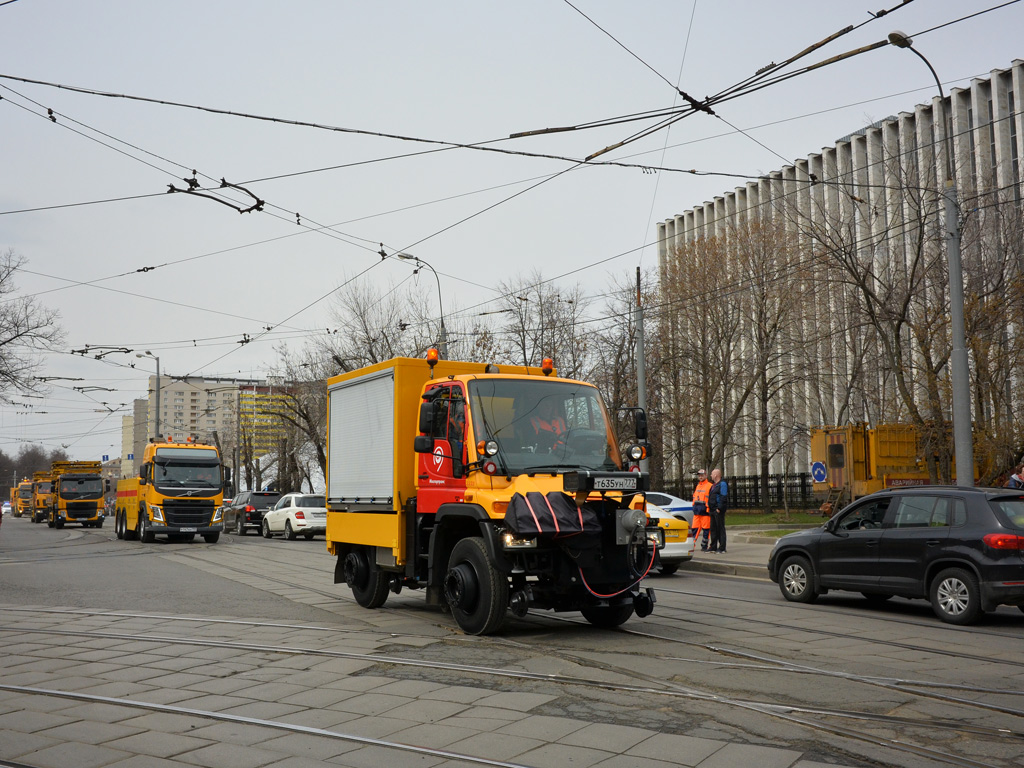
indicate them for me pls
(543, 425)
(44, 488)
(25, 493)
(81, 487)
(202, 476)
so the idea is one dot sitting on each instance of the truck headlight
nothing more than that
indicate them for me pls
(511, 542)
(158, 514)
(218, 514)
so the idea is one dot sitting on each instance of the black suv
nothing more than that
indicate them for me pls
(960, 548)
(246, 510)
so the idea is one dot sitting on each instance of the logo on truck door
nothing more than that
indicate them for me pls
(438, 458)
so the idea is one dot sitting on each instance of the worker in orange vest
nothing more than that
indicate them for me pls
(701, 514)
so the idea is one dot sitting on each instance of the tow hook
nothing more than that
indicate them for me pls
(643, 602)
(519, 603)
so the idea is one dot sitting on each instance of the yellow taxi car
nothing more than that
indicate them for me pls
(678, 547)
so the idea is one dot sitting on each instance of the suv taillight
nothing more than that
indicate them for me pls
(1004, 541)
(250, 508)
(299, 516)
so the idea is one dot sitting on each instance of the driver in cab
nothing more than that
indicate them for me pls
(548, 427)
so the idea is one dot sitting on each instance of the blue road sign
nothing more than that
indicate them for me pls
(106, 458)
(818, 472)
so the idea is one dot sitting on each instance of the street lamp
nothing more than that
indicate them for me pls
(963, 440)
(147, 353)
(443, 344)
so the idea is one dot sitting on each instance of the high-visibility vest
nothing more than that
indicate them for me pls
(701, 492)
(556, 425)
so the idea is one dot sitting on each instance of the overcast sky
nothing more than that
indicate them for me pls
(83, 198)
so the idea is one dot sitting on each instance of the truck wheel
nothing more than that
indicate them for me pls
(368, 583)
(99, 524)
(796, 581)
(608, 616)
(955, 596)
(288, 532)
(118, 525)
(146, 536)
(211, 538)
(58, 523)
(476, 592)
(49, 521)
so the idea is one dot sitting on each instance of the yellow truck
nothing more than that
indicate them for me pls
(853, 460)
(178, 493)
(495, 490)
(78, 494)
(21, 500)
(42, 495)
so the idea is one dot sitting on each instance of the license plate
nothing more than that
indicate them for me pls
(188, 530)
(615, 483)
(671, 534)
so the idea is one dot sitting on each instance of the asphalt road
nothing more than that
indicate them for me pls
(244, 653)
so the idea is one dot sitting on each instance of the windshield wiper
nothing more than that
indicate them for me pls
(553, 468)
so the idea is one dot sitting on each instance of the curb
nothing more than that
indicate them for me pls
(728, 569)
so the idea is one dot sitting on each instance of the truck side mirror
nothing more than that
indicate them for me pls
(427, 411)
(227, 475)
(641, 424)
(423, 444)
(142, 474)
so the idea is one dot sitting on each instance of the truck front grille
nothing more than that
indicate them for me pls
(81, 509)
(187, 512)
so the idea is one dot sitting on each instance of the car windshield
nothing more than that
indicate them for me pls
(310, 501)
(543, 425)
(1010, 511)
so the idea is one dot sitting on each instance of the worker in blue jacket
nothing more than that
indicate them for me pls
(718, 498)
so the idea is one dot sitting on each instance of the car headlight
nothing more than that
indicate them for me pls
(158, 513)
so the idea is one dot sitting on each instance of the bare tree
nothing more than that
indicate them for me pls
(26, 330)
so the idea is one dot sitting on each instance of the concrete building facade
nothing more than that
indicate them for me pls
(877, 187)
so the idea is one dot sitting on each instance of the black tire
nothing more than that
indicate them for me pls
(307, 536)
(146, 536)
(608, 616)
(58, 523)
(876, 598)
(668, 570)
(288, 532)
(368, 583)
(1021, 607)
(98, 524)
(118, 522)
(267, 534)
(796, 580)
(239, 527)
(955, 596)
(211, 538)
(476, 592)
(130, 534)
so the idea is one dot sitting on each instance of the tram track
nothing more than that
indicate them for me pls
(794, 713)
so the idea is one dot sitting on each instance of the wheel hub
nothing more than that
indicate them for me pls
(356, 570)
(461, 587)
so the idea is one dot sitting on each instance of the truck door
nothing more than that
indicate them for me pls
(440, 473)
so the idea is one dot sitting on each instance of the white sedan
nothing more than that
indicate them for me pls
(679, 540)
(296, 514)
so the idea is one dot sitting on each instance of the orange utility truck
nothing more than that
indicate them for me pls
(42, 495)
(78, 494)
(495, 490)
(22, 500)
(178, 493)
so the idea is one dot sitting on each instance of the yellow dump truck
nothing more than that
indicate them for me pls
(21, 500)
(495, 490)
(178, 493)
(42, 496)
(78, 494)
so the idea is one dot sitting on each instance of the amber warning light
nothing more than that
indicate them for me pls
(547, 366)
(432, 357)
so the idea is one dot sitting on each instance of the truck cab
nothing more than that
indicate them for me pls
(42, 496)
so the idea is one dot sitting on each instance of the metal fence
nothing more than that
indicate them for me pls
(745, 491)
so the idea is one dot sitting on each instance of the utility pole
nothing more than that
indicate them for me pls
(641, 365)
